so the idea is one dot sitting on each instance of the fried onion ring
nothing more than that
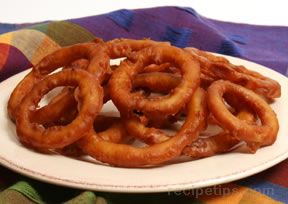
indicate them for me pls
(20, 91)
(129, 156)
(219, 143)
(108, 128)
(249, 133)
(120, 83)
(35, 134)
(50, 63)
(123, 47)
(157, 82)
(147, 135)
(218, 67)
(97, 62)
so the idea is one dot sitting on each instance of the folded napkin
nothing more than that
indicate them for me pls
(23, 45)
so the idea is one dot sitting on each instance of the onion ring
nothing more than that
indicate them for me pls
(147, 135)
(120, 83)
(63, 109)
(243, 131)
(50, 63)
(109, 129)
(129, 156)
(219, 143)
(60, 136)
(218, 67)
(123, 47)
(20, 91)
(98, 56)
(157, 82)
(95, 53)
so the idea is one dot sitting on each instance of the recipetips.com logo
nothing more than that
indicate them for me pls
(218, 190)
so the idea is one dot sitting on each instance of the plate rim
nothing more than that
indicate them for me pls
(144, 188)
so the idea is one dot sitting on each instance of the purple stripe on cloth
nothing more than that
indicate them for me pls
(266, 45)
(101, 26)
(15, 63)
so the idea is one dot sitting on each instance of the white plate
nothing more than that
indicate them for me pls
(70, 172)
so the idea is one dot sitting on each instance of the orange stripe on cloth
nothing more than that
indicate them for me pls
(6, 38)
(226, 193)
(33, 44)
(231, 194)
(46, 47)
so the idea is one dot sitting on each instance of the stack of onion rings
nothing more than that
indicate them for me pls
(155, 88)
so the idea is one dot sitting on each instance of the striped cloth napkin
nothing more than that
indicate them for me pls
(23, 45)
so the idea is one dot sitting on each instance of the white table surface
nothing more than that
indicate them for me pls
(245, 11)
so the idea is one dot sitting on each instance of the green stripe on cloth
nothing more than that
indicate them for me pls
(14, 197)
(64, 33)
(42, 27)
(29, 192)
(14, 192)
